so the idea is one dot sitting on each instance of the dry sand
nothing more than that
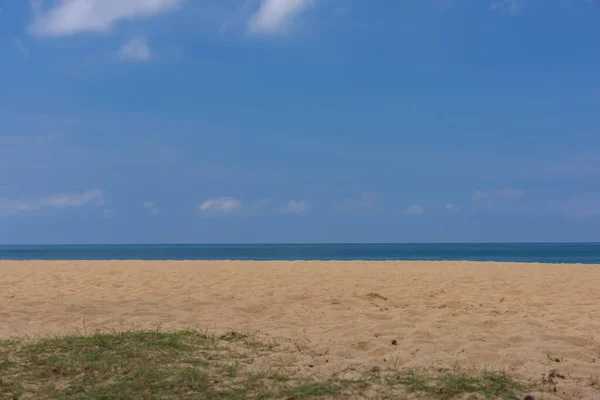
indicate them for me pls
(527, 318)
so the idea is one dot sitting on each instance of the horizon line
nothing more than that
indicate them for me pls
(293, 243)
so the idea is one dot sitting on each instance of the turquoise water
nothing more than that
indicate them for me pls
(586, 253)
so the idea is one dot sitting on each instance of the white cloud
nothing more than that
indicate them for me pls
(68, 17)
(295, 207)
(415, 209)
(452, 207)
(73, 199)
(221, 205)
(16, 206)
(274, 16)
(366, 200)
(136, 49)
(511, 6)
(230, 205)
(150, 205)
(70, 200)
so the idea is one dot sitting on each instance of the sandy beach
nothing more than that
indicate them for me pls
(526, 318)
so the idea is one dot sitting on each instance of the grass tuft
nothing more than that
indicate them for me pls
(193, 365)
(446, 385)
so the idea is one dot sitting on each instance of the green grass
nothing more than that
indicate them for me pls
(446, 385)
(193, 365)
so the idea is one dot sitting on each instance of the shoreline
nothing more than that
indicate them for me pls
(323, 261)
(547, 253)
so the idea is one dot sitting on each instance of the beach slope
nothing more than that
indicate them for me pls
(529, 319)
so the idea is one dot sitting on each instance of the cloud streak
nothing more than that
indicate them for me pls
(135, 50)
(275, 16)
(150, 205)
(69, 17)
(506, 192)
(511, 6)
(415, 209)
(366, 200)
(490, 199)
(452, 207)
(221, 205)
(61, 201)
(295, 207)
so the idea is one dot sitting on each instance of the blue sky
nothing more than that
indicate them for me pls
(201, 121)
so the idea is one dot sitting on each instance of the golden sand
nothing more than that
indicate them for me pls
(526, 318)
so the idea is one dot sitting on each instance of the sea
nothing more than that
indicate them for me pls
(581, 253)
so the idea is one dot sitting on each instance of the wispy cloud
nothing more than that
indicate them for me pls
(16, 206)
(366, 200)
(584, 205)
(445, 4)
(70, 200)
(73, 199)
(581, 205)
(506, 192)
(295, 207)
(275, 16)
(585, 208)
(511, 6)
(452, 207)
(150, 205)
(221, 205)
(68, 17)
(415, 209)
(136, 50)
(480, 194)
(498, 197)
